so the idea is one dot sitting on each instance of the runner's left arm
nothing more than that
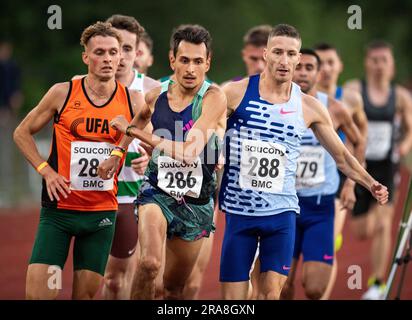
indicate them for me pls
(318, 119)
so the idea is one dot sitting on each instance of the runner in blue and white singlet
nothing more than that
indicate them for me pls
(258, 185)
(268, 117)
(262, 147)
(317, 181)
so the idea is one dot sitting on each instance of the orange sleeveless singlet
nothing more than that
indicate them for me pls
(82, 139)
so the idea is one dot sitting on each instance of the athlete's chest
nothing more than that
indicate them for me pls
(377, 97)
(280, 122)
(85, 122)
(167, 121)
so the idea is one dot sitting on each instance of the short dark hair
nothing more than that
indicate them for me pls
(324, 46)
(378, 44)
(192, 33)
(127, 23)
(103, 29)
(147, 41)
(285, 30)
(311, 52)
(257, 36)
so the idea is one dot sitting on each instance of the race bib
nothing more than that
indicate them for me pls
(85, 159)
(379, 140)
(262, 166)
(311, 167)
(179, 179)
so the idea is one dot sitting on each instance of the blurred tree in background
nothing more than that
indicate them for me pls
(48, 56)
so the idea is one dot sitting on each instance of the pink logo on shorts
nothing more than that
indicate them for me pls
(203, 234)
(285, 268)
(326, 257)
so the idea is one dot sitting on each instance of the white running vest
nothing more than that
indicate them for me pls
(129, 181)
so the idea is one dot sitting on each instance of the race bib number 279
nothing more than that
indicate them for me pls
(85, 159)
(311, 167)
(262, 166)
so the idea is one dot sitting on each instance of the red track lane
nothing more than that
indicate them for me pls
(18, 227)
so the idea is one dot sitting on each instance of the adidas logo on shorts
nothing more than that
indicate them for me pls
(105, 222)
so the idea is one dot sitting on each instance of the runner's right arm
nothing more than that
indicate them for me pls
(150, 84)
(354, 100)
(214, 106)
(234, 92)
(142, 114)
(351, 131)
(37, 119)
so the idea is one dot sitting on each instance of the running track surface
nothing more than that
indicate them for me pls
(18, 227)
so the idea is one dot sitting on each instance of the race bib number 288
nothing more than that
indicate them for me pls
(262, 166)
(85, 159)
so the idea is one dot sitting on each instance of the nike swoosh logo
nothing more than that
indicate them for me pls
(286, 112)
(326, 257)
(285, 268)
(132, 251)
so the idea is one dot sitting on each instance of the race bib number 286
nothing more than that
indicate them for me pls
(262, 166)
(85, 159)
(179, 179)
